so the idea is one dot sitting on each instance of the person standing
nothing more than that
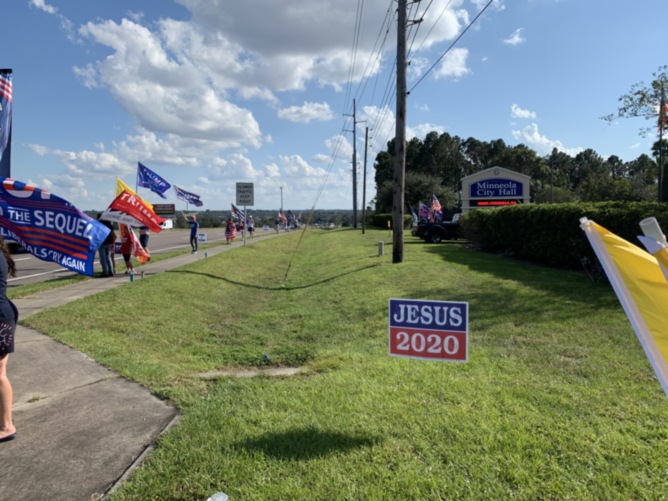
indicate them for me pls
(9, 316)
(230, 231)
(194, 227)
(126, 248)
(105, 250)
(143, 237)
(251, 227)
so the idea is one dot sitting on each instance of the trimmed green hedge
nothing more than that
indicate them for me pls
(380, 220)
(550, 234)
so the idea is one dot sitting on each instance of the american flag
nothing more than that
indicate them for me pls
(6, 87)
(435, 204)
(237, 213)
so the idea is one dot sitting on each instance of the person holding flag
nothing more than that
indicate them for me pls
(127, 248)
(194, 228)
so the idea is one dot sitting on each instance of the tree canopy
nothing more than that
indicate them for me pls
(437, 164)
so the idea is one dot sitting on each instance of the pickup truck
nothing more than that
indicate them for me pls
(437, 232)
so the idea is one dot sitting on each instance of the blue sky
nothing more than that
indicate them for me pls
(208, 93)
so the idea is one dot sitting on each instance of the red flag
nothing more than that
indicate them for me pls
(134, 206)
(138, 251)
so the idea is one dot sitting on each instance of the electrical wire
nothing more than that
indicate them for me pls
(451, 46)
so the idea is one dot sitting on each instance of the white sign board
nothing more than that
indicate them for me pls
(245, 194)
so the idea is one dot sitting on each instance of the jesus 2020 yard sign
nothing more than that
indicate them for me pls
(429, 330)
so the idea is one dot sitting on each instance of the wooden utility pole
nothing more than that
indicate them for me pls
(366, 141)
(400, 140)
(354, 166)
(354, 131)
(663, 193)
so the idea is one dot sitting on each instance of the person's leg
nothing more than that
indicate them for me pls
(104, 259)
(6, 426)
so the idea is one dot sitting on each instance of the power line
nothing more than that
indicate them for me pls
(451, 46)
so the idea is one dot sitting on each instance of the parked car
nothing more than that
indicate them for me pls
(437, 232)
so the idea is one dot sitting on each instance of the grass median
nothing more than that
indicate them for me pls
(557, 400)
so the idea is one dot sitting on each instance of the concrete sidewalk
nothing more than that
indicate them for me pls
(81, 428)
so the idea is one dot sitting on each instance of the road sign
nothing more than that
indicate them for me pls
(245, 194)
(428, 330)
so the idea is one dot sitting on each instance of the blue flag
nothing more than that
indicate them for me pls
(415, 218)
(146, 178)
(188, 197)
(5, 122)
(48, 227)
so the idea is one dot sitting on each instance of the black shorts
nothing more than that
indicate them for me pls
(7, 330)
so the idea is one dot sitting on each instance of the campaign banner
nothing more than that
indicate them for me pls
(134, 206)
(146, 178)
(428, 330)
(49, 227)
(119, 217)
(188, 197)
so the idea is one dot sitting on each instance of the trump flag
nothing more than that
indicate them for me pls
(48, 227)
(187, 197)
(641, 288)
(146, 178)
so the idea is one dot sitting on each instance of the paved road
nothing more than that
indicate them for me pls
(30, 269)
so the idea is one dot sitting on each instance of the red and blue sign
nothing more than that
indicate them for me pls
(428, 330)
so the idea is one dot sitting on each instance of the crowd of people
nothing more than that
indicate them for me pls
(122, 240)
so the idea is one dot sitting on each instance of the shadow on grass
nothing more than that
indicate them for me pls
(306, 443)
(281, 288)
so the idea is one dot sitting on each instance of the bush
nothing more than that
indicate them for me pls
(550, 234)
(381, 220)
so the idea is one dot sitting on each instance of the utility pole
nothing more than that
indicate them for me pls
(400, 140)
(663, 195)
(354, 131)
(366, 141)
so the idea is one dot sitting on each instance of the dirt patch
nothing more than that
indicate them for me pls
(271, 371)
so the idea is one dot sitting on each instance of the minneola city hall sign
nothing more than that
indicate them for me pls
(494, 187)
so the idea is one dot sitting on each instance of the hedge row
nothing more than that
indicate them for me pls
(550, 234)
(381, 220)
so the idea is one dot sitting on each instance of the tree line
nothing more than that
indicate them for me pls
(437, 164)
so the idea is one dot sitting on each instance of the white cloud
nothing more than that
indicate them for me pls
(320, 112)
(420, 131)
(540, 143)
(515, 37)
(517, 112)
(454, 64)
(42, 5)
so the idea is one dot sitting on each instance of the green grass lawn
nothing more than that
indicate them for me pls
(557, 400)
